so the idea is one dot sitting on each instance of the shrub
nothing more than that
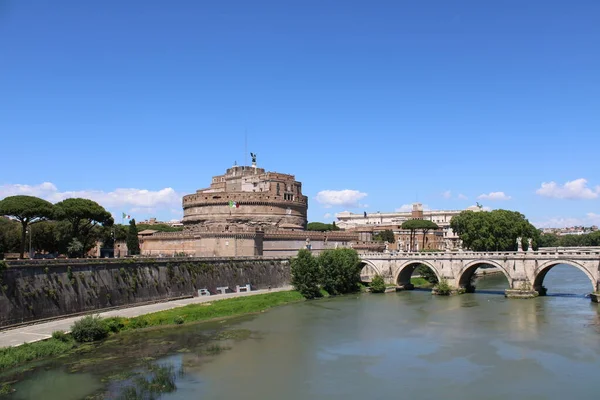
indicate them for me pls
(377, 284)
(138, 322)
(60, 335)
(114, 324)
(89, 329)
(443, 288)
(306, 274)
(179, 320)
(340, 271)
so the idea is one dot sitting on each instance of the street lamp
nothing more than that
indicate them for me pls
(29, 231)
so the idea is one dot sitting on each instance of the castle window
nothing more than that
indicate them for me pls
(277, 188)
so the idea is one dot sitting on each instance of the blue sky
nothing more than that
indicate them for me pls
(372, 105)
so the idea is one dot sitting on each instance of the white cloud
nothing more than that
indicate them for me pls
(408, 208)
(565, 222)
(346, 198)
(327, 216)
(447, 194)
(134, 200)
(576, 189)
(475, 207)
(404, 208)
(493, 196)
(462, 197)
(593, 218)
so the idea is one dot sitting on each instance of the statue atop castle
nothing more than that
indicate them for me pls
(253, 155)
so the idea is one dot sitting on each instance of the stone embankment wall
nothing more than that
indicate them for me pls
(31, 291)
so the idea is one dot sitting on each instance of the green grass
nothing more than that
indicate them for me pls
(218, 309)
(15, 356)
(420, 282)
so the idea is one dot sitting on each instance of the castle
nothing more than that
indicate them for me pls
(245, 199)
(246, 212)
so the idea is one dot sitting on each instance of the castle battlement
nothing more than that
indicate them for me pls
(247, 196)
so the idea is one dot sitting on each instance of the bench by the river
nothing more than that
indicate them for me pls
(246, 288)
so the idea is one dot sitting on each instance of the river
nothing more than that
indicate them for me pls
(399, 345)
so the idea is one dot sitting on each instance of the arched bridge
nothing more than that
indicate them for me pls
(524, 270)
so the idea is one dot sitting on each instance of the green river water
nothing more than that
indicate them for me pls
(399, 345)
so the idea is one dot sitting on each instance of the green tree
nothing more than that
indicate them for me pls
(549, 240)
(340, 270)
(495, 230)
(306, 274)
(75, 248)
(385, 236)
(27, 210)
(133, 242)
(321, 227)
(426, 226)
(84, 216)
(9, 236)
(594, 238)
(414, 225)
(50, 236)
(426, 273)
(110, 234)
(377, 284)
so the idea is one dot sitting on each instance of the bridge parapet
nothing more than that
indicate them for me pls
(474, 255)
(524, 270)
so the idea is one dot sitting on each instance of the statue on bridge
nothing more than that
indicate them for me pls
(447, 244)
(519, 247)
(530, 244)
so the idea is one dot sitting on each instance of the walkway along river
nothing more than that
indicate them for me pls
(397, 345)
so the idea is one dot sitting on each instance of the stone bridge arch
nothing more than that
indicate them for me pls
(466, 273)
(540, 273)
(405, 270)
(368, 270)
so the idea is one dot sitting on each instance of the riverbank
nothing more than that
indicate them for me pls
(207, 310)
(42, 331)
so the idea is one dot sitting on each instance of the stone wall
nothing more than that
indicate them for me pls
(31, 291)
(244, 244)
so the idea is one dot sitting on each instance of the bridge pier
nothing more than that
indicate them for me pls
(520, 294)
(522, 289)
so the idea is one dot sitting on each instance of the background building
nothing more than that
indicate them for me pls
(445, 238)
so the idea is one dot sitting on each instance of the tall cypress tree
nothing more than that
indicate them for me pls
(133, 242)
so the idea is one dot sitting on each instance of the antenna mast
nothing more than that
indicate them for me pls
(246, 147)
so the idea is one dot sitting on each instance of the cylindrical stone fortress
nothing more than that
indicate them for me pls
(246, 198)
